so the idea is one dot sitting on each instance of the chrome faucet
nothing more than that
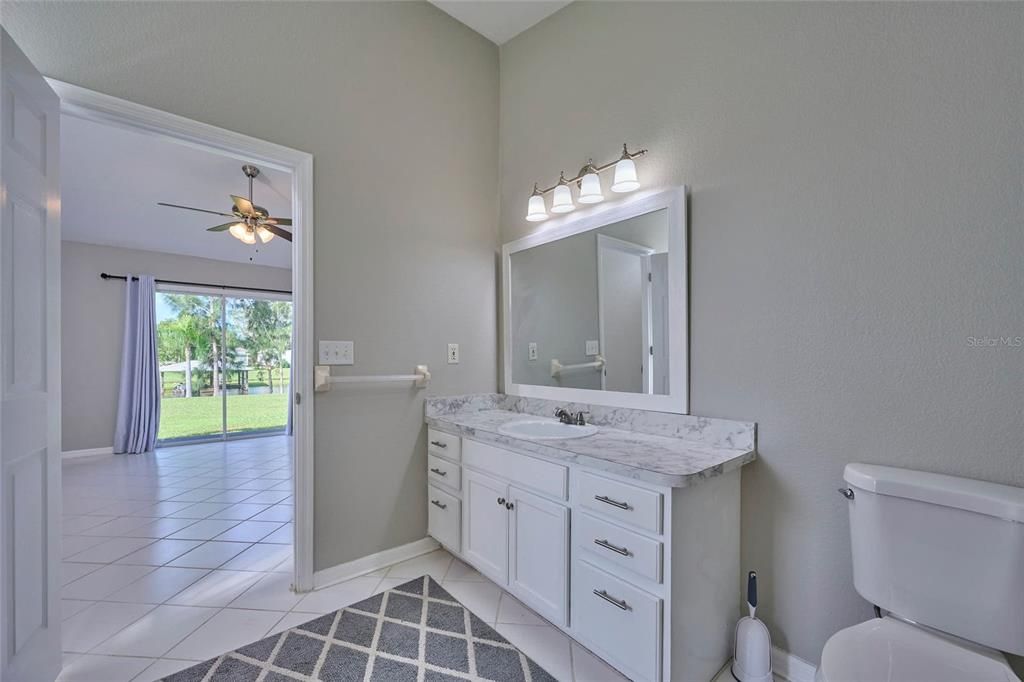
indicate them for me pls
(564, 415)
(567, 417)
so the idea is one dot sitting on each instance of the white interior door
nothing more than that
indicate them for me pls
(659, 371)
(622, 314)
(29, 371)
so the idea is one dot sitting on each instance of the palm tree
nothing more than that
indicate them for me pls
(202, 325)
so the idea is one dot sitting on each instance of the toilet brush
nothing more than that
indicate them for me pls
(752, 657)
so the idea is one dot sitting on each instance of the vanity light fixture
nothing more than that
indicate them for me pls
(589, 182)
(536, 211)
(561, 201)
(625, 173)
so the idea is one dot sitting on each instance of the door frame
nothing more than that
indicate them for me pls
(98, 107)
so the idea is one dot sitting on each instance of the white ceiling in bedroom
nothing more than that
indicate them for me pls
(112, 179)
(501, 20)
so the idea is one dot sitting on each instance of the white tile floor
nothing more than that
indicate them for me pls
(174, 557)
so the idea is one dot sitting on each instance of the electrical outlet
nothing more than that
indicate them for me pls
(453, 353)
(533, 350)
(592, 348)
(337, 353)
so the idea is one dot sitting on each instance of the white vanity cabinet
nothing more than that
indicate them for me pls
(645, 576)
(518, 539)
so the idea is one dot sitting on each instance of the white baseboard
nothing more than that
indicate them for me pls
(373, 562)
(88, 452)
(790, 667)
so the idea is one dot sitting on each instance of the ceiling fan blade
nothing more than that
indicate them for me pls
(279, 221)
(221, 228)
(190, 208)
(283, 234)
(244, 206)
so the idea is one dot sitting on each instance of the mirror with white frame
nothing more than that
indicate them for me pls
(595, 307)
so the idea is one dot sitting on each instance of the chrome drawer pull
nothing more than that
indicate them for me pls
(439, 444)
(439, 472)
(614, 503)
(618, 550)
(438, 504)
(612, 600)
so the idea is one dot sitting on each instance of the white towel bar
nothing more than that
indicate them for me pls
(323, 379)
(557, 368)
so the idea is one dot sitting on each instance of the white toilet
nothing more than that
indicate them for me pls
(945, 557)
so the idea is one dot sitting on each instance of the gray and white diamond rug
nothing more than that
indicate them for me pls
(415, 632)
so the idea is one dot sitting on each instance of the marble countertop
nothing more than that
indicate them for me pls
(657, 459)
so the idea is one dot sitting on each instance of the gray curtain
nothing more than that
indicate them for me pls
(138, 405)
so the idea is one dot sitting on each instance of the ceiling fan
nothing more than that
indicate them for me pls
(250, 221)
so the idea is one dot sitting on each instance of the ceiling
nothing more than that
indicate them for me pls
(501, 20)
(112, 179)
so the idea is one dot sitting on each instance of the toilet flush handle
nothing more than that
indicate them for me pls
(846, 492)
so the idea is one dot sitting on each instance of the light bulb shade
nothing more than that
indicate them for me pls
(536, 211)
(561, 202)
(625, 176)
(238, 231)
(264, 234)
(590, 189)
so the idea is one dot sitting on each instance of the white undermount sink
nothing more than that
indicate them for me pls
(545, 429)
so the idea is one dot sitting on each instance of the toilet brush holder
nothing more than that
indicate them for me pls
(752, 655)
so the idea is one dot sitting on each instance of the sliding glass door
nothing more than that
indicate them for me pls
(224, 363)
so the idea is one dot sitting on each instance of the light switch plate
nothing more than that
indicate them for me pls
(453, 353)
(337, 353)
(592, 348)
(533, 350)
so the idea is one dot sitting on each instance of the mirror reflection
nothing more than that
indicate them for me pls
(591, 310)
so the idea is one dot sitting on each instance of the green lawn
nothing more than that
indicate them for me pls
(196, 417)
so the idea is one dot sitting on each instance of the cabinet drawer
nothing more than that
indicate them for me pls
(444, 518)
(444, 444)
(442, 472)
(622, 547)
(538, 474)
(620, 501)
(622, 621)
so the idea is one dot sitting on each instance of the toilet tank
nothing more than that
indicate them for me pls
(941, 551)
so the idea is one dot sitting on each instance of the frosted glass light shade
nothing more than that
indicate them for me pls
(536, 211)
(562, 200)
(590, 189)
(264, 234)
(625, 176)
(241, 232)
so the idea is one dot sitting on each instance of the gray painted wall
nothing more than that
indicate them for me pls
(398, 103)
(92, 325)
(856, 214)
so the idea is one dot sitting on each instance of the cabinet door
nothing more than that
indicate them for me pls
(485, 525)
(539, 560)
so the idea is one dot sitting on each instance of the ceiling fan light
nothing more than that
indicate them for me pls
(264, 234)
(238, 231)
(242, 233)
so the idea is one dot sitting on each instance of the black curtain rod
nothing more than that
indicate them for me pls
(123, 278)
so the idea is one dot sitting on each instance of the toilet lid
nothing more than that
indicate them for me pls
(890, 650)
